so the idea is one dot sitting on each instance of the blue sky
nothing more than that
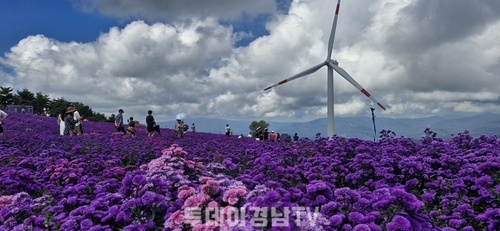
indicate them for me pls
(214, 57)
(62, 20)
(53, 18)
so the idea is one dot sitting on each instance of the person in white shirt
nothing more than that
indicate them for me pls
(78, 119)
(3, 115)
(60, 121)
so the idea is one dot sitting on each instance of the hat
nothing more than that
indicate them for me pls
(70, 110)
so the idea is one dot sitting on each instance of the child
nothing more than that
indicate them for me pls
(131, 127)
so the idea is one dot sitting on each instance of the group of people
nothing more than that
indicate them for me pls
(273, 137)
(265, 135)
(119, 124)
(180, 128)
(70, 121)
(150, 123)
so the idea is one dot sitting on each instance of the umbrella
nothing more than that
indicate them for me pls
(180, 116)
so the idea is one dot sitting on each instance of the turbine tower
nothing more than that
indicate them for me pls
(332, 65)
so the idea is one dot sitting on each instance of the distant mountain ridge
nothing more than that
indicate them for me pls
(362, 126)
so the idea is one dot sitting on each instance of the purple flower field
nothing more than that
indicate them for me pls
(105, 181)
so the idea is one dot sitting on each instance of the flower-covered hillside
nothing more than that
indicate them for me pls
(106, 181)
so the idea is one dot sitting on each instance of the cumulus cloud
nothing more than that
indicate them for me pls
(418, 58)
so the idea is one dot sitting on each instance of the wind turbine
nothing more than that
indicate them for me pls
(332, 65)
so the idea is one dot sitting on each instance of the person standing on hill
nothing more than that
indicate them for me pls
(131, 127)
(180, 128)
(272, 136)
(266, 134)
(69, 122)
(295, 137)
(3, 115)
(119, 122)
(150, 123)
(193, 128)
(60, 121)
(78, 121)
(228, 130)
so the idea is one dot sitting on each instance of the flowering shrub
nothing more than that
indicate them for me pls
(102, 180)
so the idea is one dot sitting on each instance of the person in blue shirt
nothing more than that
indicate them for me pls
(119, 122)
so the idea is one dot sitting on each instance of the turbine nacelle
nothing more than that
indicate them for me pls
(331, 62)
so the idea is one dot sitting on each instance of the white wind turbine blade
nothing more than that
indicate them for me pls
(301, 74)
(332, 33)
(346, 76)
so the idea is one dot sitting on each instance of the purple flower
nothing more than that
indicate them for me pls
(85, 224)
(468, 228)
(484, 180)
(320, 200)
(336, 220)
(329, 208)
(139, 180)
(399, 223)
(361, 227)
(428, 197)
(355, 217)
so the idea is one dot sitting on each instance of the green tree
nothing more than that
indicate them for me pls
(258, 125)
(87, 112)
(6, 95)
(83, 109)
(96, 116)
(57, 105)
(24, 97)
(111, 118)
(40, 103)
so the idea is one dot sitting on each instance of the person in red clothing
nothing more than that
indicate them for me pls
(272, 136)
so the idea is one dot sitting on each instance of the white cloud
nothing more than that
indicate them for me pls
(191, 65)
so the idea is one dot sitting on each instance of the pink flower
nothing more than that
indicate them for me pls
(5, 200)
(175, 219)
(210, 187)
(213, 204)
(190, 164)
(204, 179)
(196, 200)
(166, 152)
(186, 192)
(232, 195)
(174, 150)
(156, 163)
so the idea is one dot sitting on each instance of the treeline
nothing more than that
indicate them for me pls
(42, 104)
